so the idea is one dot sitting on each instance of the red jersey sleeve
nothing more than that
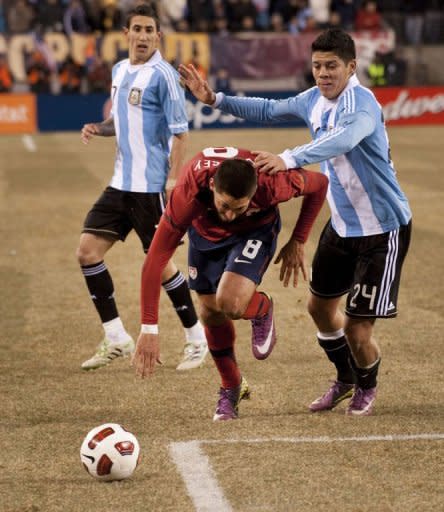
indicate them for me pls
(283, 186)
(162, 248)
(314, 192)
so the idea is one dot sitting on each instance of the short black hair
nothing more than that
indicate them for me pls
(335, 40)
(143, 10)
(236, 177)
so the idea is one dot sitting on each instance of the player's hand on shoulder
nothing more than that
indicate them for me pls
(89, 131)
(268, 162)
(190, 78)
(146, 355)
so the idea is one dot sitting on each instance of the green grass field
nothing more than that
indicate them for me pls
(278, 457)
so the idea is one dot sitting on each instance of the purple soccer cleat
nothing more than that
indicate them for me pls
(361, 403)
(229, 399)
(337, 392)
(263, 338)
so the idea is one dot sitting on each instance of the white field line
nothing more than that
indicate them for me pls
(200, 479)
(327, 439)
(29, 143)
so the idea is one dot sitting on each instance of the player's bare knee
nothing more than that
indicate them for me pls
(359, 331)
(324, 314)
(349, 332)
(313, 311)
(210, 316)
(80, 256)
(231, 307)
(86, 256)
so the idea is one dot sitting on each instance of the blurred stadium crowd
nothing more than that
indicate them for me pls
(415, 22)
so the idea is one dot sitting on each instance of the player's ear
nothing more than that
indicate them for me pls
(352, 66)
(211, 184)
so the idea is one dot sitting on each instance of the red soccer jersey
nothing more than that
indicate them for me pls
(191, 204)
(192, 200)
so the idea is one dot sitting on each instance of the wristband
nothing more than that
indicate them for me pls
(149, 329)
(218, 100)
(288, 159)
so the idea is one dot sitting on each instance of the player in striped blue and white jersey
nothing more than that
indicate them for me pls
(148, 111)
(149, 120)
(362, 247)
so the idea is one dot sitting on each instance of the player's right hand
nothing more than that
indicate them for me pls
(268, 162)
(189, 77)
(146, 354)
(89, 131)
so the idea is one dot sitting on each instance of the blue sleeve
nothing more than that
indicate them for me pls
(264, 110)
(348, 133)
(172, 97)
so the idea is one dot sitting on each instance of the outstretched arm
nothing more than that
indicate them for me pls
(164, 244)
(181, 209)
(352, 128)
(349, 132)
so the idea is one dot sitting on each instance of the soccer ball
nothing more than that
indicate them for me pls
(109, 452)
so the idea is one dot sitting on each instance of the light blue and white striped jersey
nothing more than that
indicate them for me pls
(148, 107)
(351, 141)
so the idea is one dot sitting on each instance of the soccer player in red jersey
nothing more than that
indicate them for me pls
(231, 214)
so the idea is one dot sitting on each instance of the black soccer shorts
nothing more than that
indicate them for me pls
(117, 212)
(367, 269)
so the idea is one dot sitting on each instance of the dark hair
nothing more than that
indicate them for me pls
(236, 177)
(337, 41)
(143, 10)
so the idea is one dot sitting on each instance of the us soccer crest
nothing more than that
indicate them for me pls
(192, 272)
(135, 96)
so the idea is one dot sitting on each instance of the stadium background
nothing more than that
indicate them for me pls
(58, 54)
(277, 457)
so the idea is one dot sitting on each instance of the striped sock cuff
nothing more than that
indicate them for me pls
(174, 282)
(330, 335)
(92, 270)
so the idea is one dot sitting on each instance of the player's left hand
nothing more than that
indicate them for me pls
(268, 162)
(146, 355)
(292, 257)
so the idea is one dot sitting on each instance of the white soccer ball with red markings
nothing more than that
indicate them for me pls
(109, 452)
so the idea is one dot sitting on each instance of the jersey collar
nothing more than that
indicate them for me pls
(353, 81)
(155, 59)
